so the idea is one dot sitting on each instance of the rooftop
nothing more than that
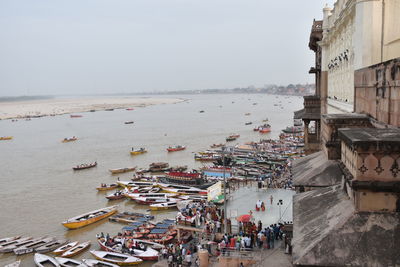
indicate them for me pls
(365, 137)
(316, 170)
(328, 232)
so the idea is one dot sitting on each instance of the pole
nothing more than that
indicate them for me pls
(279, 214)
(224, 176)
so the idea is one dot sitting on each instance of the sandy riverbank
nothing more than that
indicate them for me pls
(50, 107)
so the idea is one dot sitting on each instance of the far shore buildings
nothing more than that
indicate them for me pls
(347, 210)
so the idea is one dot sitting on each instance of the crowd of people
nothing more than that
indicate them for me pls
(252, 236)
(180, 254)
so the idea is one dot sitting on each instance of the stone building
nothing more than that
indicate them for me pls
(357, 34)
(349, 211)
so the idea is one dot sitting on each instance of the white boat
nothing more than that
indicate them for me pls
(11, 245)
(195, 198)
(117, 258)
(14, 242)
(51, 246)
(65, 262)
(126, 183)
(151, 200)
(76, 250)
(64, 248)
(181, 189)
(148, 253)
(8, 239)
(42, 260)
(164, 205)
(14, 264)
(29, 247)
(97, 263)
(146, 243)
(137, 195)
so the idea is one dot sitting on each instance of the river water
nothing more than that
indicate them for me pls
(40, 189)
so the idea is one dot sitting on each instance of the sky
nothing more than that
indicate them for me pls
(50, 47)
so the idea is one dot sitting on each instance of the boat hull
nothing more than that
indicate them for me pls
(145, 258)
(79, 224)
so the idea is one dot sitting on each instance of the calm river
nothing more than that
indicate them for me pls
(40, 189)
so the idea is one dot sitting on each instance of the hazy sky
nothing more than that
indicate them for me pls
(107, 46)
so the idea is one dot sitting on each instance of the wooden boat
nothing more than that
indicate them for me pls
(134, 196)
(97, 263)
(122, 170)
(6, 137)
(182, 190)
(148, 243)
(158, 166)
(144, 183)
(248, 123)
(117, 258)
(51, 246)
(139, 151)
(164, 205)
(247, 114)
(105, 187)
(89, 217)
(183, 178)
(216, 145)
(115, 196)
(109, 109)
(71, 139)
(265, 130)
(65, 262)
(64, 248)
(30, 247)
(11, 245)
(129, 217)
(76, 116)
(130, 109)
(151, 200)
(126, 184)
(175, 148)
(235, 135)
(14, 264)
(148, 253)
(293, 129)
(129, 122)
(230, 138)
(76, 250)
(256, 129)
(8, 239)
(42, 260)
(84, 166)
(206, 157)
(147, 189)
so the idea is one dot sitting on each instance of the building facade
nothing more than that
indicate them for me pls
(357, 34)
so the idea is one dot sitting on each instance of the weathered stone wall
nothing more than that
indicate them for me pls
(330, 123)
(375, 201)
(377, 91)
(371, 165)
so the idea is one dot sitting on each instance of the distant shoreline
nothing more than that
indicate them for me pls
(48, 106)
